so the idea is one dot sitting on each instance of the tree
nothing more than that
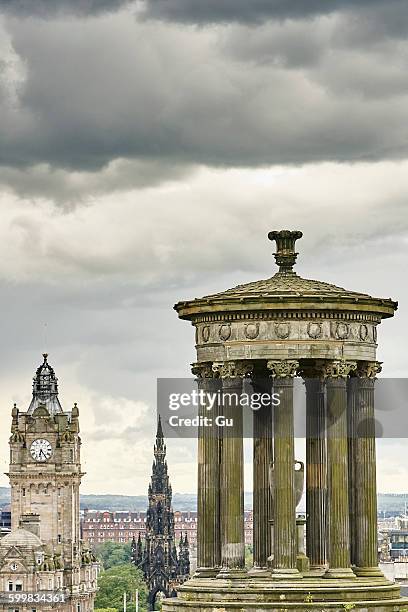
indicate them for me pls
(117, 580)
(111, 554)
(105, 610)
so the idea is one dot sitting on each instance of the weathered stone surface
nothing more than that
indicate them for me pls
(295, 324)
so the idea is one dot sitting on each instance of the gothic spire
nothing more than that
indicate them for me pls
(45, 389)
(159, 447)
(159, 556)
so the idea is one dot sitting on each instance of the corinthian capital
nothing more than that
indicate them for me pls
(284, 368)
(232, 369)
(339, 368)
(202, 370)
(368, 369)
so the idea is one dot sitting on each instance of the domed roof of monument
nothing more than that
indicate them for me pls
(286, 285)
(286, 290)
(20, 537)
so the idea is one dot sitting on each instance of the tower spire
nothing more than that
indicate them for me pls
(159, 447)
(159, 559)
(45, 389)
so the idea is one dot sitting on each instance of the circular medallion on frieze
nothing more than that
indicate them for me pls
(225, 331)
(282, 330)
(251, 330)
(363, 331)
(205, 333)
(342, 331)
(314, 330)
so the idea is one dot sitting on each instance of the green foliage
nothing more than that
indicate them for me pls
(111, 554)
(117, 580)
(105, 610)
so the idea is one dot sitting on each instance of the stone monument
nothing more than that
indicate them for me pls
(281, 328)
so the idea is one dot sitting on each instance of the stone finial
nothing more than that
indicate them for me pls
(285, 255)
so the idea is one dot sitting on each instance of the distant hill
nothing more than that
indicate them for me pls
(389, 504)
(134, 503)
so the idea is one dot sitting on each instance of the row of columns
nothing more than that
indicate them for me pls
(341, 502)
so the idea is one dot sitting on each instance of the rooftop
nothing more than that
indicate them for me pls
(286, 290)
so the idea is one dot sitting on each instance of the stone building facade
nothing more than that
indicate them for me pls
(122, 526)
(44, 552)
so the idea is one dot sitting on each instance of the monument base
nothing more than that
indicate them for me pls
(257, 593)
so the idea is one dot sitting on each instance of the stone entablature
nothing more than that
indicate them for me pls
(313, 329)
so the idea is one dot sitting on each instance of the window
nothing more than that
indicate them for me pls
(19, 586)
(78, 607)
(59, 538)
(24, 491)
(10, 586)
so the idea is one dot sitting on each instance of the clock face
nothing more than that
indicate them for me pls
(41, 450)
(13, 567)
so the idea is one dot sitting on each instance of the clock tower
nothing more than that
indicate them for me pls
(45, 476)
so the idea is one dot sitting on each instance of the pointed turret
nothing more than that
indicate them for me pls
(159, 557)
(45, 389)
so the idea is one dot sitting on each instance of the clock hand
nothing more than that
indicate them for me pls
(42, 453)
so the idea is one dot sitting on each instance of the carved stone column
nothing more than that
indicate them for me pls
(285, 536)
(232, 470)
(352, 398)
(365, 490)
(337, 451)
(262, 459)
(316, 467)
(208, 493)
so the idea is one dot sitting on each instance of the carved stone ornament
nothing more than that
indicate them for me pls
(225, 331)
(232, 369)
(205, 334)
(339, 369)
(282, 330)
(314, 330)
(368, 369)
(363, 332)
(342, 331)
(252, 330)
(202, 370)
(283, 368)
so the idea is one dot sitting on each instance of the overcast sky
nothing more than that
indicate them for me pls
(146, 149)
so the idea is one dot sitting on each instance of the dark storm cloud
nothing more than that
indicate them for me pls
(78, 94)
(50, 8)
(254, 11)
(75, 188)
